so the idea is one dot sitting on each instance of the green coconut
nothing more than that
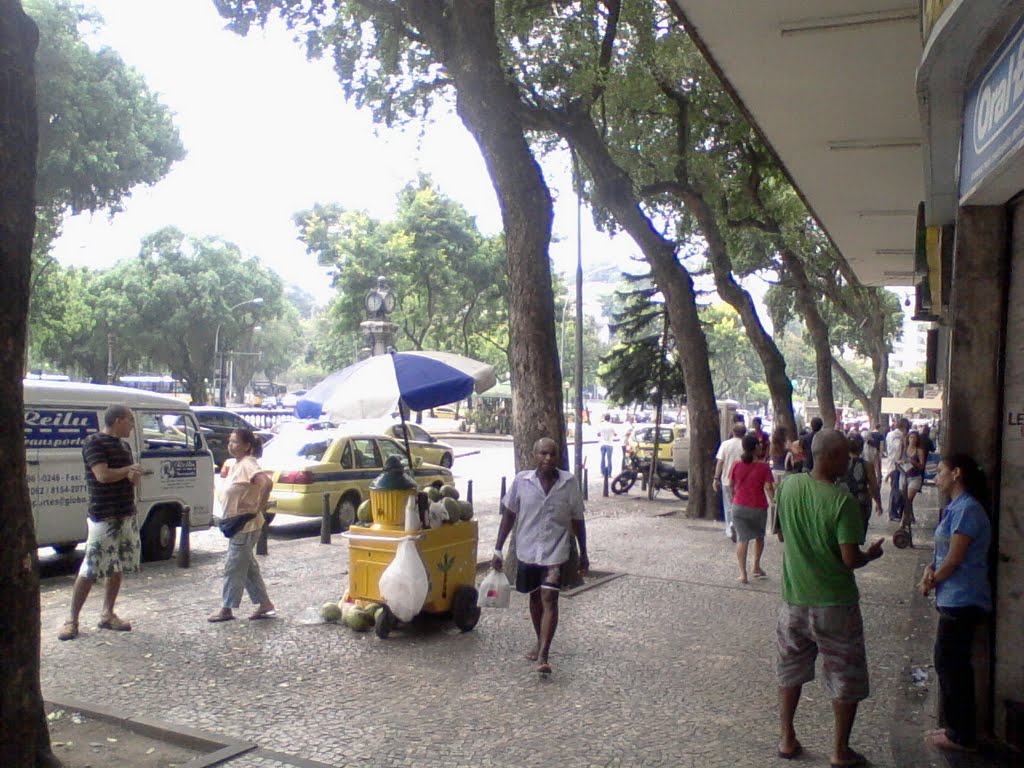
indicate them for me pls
(330, 612)
(449, 491)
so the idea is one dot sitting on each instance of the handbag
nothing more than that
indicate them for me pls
(229, 526)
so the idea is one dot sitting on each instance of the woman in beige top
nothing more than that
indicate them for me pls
(245, 492)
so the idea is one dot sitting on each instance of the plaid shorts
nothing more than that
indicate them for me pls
(835, 630)
(113, 547)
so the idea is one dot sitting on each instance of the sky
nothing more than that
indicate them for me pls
(268, 134)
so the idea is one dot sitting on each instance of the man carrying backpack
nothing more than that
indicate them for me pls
(860, 480)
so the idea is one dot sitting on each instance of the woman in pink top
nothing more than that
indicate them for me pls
(752, 488)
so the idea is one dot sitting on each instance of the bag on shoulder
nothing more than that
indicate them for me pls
(229, 526)
(856, 480)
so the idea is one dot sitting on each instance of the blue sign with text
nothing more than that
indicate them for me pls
(993, 113)
(59, 427)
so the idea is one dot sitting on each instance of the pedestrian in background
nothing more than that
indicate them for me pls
(892, 461)
(959, 575)
(545, 508)
(821, 529)
(806, 441)
(729, 453)
(627, 437)
(112, 548)
(606, 436)
(245, 493)
(752, 489)
(861, 482)
(911, 476)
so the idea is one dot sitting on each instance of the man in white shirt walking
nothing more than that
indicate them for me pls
(728, 454)
(545, 507)
(607, 436)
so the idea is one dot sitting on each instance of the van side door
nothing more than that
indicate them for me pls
(177, 464)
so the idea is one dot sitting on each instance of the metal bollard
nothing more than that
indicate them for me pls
(325, 521)
(503, 487)
(469, 491)
(586, 483)
(184, 552)
(604, 492)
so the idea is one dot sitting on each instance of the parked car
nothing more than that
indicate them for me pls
(643, 441)
(301, 425)
(442, 412)
(423, 444)
(217, 424)
(306, 465)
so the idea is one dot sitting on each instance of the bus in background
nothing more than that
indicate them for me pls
(162, 385)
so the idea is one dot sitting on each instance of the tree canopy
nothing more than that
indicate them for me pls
(448, 278)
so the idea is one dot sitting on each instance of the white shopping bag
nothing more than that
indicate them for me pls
(404, 584)
(495, 591)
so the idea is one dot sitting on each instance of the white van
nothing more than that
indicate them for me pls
(166, 441)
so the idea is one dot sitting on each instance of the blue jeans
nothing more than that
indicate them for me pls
(606, 460)
(241, 571)
(895, 496)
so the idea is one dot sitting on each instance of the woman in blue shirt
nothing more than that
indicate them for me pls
(959, 575)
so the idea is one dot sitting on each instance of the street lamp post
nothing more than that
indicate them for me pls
(218, 358)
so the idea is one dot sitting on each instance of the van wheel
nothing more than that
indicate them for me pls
(447, 460)
(344, 515)
(158, 535)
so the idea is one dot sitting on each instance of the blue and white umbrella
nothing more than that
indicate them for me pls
(372, 388)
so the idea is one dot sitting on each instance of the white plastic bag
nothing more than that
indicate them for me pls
(495, 591)
(436, 515)
(404, 584)
(412, 514)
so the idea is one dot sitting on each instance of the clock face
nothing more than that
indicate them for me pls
(374, 301)
(389, 301)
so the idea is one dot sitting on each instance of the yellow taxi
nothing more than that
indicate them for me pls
(306, 465)
(423, 444)
(643, 441)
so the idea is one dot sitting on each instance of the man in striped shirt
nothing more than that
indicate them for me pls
(113, 546)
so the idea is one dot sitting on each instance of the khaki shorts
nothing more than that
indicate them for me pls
(837, 631)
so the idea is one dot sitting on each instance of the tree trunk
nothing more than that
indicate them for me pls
(871, 407)
(805, 298)
(464, 36)
(613, 190)
(24, 741)
(774, 364)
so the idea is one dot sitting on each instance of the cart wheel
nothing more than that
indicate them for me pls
(623, 482)
(385, 623)
(903, 538)
(465, 611)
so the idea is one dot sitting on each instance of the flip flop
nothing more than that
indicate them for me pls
(544, 668)
(794, 754)
(856, 760)
(216, 618)
(271, 614)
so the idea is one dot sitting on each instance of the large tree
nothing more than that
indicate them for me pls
(24, 739)
(399, 59)
(102, 132)
(448, 278)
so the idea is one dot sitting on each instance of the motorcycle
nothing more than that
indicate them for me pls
(666, 476)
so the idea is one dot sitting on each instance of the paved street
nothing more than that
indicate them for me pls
(670, 665)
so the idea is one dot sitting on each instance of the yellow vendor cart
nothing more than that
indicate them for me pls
(448, 553)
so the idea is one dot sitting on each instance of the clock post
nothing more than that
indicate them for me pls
(378, 331)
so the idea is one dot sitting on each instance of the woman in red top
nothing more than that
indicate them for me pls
(752, 488)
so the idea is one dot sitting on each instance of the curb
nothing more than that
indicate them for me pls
(217, 749)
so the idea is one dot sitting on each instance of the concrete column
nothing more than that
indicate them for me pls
(1009, 534)
(973, 408)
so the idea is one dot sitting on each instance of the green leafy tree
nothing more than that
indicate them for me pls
(735, 365)
(449, 280)
(102, 133)
(400, 59)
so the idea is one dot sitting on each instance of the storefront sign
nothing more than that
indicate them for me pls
(994, 113)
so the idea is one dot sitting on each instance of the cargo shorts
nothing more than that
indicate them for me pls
(837, 631)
